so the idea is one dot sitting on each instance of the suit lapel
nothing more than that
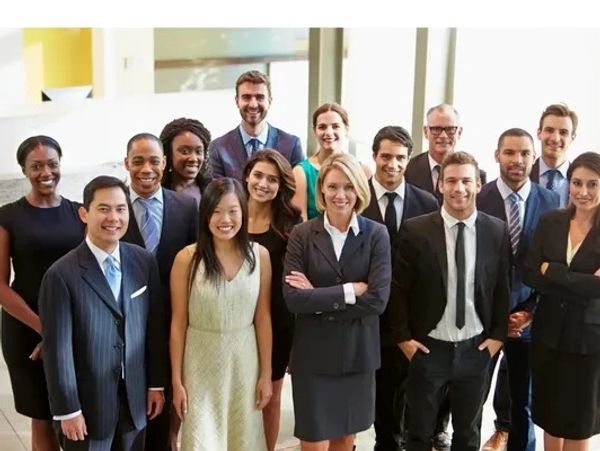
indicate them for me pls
(272, 138)
(424, 171)
(410, 208)
(496, 205)
(238, 150)
(94, 277)
(481, 251)
(531, 213)
(535, 172)
(322, 242)
(353, 243)
(438, 238)
(372, 211)
(133, 234)
(168, 213)
(127, 283)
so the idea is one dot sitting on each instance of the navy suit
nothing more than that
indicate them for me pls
(517, 394)
(85, 330)
(390, 378)
(227, 155)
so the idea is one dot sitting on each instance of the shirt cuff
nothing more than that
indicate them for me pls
(349, 295)
(156, 389)
(68, 416)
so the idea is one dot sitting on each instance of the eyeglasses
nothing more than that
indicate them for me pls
(450, 131)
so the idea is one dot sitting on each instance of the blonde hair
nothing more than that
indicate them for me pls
(351, 169)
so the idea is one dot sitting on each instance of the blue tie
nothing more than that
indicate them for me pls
(149, 226)
(113, 275)
(514, 222)
(550, 175)
(254, 144)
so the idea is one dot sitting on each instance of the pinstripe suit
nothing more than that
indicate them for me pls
(84, 332)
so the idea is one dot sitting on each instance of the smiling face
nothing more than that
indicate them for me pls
(145, 162)
(584, 189)
(556, 135)
(42, 168)
(187, 155)
(515, 157)
(390, 163)
(338, 193)
(253, 100)
(263, 182)
(460, 186)
(107, 217)
(226, 219)
(330, 132)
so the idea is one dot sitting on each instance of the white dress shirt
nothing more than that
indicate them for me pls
(446, 329)
(382, 200)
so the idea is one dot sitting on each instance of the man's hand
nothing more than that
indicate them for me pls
(493, 346)
(518, 321)
(155, 402)
(410, 347)
(74, 428)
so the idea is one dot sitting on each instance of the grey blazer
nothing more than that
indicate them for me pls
(330, 336)
(84, 332)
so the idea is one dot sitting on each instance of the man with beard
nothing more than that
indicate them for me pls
(518, 202)
(556, 132)
(228, 154)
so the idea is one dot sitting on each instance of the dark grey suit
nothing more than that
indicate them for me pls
(84, 333)
(227, 155)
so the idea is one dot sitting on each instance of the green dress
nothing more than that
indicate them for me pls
(311, 174)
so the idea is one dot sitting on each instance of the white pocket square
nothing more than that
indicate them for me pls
(138, 292)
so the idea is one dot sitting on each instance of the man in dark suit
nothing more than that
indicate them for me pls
(442, 131)
(104, 341)
(163, 222)
(449, 304)
(556, 132)
(228, 154)
(392, 202)
(518, 202)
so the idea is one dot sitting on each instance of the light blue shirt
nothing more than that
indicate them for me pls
(262, 138)
(560, 184)
(157, 212)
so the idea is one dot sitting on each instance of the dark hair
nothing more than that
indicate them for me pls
(459, 158)
(101, 182)
(516, 132)
(205, 246)
(336, 108)
(284, 214)
(169, 133)
(140, 136)
(561, 110)
(253, 76)
(31, 143)
(591, 161)
(393, 133)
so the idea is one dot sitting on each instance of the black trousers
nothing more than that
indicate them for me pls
(458, 370)
(501, 401)
(157, 431)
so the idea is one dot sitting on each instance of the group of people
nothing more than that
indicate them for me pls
(176, 304)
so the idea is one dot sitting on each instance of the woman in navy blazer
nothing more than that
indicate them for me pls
(564, 267)
(337, 281)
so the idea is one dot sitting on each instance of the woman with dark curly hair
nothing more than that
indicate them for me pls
(185, 143)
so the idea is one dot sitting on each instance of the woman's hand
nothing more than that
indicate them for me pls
(296, 279)
(360, 288)
(544, 267)
(264, 392)
(37, 352)
(180, 400)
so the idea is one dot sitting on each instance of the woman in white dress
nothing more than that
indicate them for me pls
(221, 328)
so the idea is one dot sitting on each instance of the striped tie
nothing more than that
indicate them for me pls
(514, 222)
(149, 226)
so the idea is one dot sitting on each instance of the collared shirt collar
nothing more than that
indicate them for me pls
(563, 168)
(262, 137)
(432, 163)
(451, 221)
(101, 255)
(380, 190)
(506, 190)
(158, 195)
(332, 229)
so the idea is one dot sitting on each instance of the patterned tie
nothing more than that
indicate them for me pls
(514, 222)
(459, 256)
(390, 215)
(436, 170)
(254, 144)
(550, 175)
(113, 275)
(149, 226)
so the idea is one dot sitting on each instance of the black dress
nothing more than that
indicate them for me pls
(281, 319)
(38, 237)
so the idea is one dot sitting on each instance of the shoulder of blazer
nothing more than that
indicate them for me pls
(225, 140)
(426, 199)
(550, 198)
(183, 201)
(416, 163)
(421, 224)
(488, 192)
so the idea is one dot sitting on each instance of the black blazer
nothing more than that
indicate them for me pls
(84, 332)
(568, 313)
(418, 173)
(539, 201)
(419, 281)
(417, 202)
(534, 175)
(330, 336)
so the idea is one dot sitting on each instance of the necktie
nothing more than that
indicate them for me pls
(459, 256)
(436, 189)
(390, 215)
(113, 275)
(514, 222)
(254, 144)
(550, 175)
(149, 226)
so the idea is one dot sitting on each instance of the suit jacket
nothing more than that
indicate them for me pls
(330, 336)
(84, 333)
(179, 228)
(534, 175)
(418, 173)
(419, 282)
(227, 155)
(539, 201)
(568, 313)
(417, 202)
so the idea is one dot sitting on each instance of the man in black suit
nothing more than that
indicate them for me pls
(228, 154)
(163, 222)
(442, 131)
(449, 304)
(104, 341)
(556, 132)
(392, 201)
(518, 202)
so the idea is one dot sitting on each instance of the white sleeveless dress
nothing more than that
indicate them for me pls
(221, 366)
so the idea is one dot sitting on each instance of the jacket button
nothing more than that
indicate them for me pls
(331, 318)
(117, 322)
(338, 279)
(336, 305)
(563, 304)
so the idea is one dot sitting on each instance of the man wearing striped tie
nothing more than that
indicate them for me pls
(515, 199)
